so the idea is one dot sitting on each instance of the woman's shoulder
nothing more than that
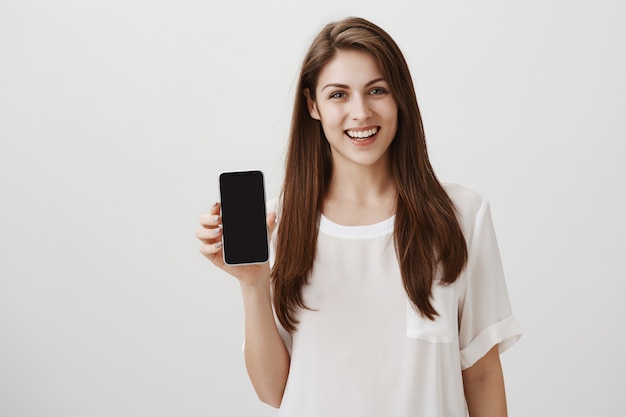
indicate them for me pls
(467, 202)
(462, 195)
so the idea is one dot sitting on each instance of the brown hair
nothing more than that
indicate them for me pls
(427, 236)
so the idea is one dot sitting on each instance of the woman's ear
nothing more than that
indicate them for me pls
(311, 105)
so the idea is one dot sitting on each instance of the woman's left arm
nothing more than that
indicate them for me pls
(484, 387)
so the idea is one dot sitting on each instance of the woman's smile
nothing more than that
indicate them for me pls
(363, 137)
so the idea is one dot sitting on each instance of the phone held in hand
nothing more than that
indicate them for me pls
(244, 227)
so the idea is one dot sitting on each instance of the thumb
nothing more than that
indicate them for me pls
(271, 223)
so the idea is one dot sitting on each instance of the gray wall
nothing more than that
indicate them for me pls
(116, 118)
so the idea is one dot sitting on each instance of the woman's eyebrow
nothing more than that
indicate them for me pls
(347, 87)
(375, 80)
(344, 86)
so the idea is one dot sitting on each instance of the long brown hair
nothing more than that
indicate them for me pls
(427, 236)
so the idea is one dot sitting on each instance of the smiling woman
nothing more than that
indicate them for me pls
(363, 326)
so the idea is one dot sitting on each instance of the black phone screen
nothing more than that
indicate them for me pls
(244, 228)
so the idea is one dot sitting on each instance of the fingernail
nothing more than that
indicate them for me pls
(217, 231)
(218, 245)
(216, 218)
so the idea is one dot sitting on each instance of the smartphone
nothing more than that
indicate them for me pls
(244, 227)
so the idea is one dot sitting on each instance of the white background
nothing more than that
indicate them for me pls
(116, 118)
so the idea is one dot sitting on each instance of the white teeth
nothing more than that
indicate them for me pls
(362, 134)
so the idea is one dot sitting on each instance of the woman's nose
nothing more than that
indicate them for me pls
(360, 109)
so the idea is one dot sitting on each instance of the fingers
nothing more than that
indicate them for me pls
(210, 232)
(210, 250)
(210, 227)
(271, 223)
(212, 219)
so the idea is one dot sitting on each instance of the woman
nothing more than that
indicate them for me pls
(386, 296)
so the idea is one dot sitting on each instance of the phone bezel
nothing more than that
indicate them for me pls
(224, 229)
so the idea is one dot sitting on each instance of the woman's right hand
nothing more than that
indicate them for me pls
(210, 234)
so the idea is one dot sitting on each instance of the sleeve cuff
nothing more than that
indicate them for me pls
(504, 334)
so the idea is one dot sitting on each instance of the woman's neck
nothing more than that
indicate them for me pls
(360, 196)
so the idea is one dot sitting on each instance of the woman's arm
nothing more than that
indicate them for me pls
(484, 387)
(267, 359)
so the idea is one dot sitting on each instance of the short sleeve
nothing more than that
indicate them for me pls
(485, 316)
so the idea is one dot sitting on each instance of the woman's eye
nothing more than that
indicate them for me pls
(377, 91)
(337, 94)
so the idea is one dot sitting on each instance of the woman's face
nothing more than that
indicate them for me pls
(356, 108)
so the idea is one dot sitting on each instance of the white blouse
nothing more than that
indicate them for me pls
(362, 350)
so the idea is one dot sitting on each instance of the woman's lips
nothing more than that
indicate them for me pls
(362, 133)
(363, 137)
